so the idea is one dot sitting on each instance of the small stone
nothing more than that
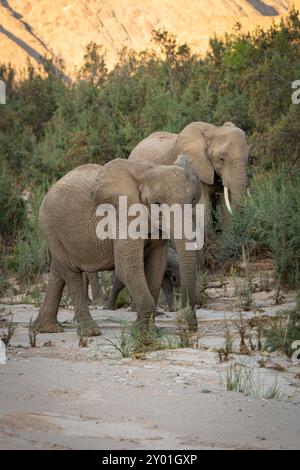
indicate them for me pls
(205, 390)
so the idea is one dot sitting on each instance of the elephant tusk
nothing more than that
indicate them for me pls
(226, 196)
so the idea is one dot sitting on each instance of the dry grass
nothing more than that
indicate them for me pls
(32, 334)
(6, 337)
(225, 351)
(247, 380)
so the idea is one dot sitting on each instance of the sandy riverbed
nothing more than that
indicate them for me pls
(59, 395)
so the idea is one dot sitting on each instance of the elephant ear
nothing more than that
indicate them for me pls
(191, 173)
(186, 163)
(233, 126)
(113, 180)
(193, 142)
(229, 124)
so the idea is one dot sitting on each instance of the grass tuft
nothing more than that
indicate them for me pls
(6, 337)
(246, 379)
(32, 333)
(134, 341)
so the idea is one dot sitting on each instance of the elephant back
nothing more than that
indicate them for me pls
(157, 148)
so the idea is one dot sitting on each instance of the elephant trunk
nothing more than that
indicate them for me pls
(234, 188)
(187, 263)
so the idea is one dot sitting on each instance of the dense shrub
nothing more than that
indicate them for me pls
(28, 257)
(12, 208)
(284, 330)
(269, 223)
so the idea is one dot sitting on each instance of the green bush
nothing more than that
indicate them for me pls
(269, 223)
(28, 258)
(284, 330)
(12, 209)
(3, 284)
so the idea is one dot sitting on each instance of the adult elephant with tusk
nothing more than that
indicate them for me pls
(219, 155)
(227, 202)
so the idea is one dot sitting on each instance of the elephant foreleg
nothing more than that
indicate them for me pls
(46, 321)
(85, 282)
(167, 287)
(155, 266)
(129, 268)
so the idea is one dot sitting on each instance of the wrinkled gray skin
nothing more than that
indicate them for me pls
(219, 155)
(68, 222)
(170, 280)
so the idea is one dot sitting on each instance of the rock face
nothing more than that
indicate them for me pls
(62, 28)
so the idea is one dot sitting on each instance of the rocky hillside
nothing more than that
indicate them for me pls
(62, 28)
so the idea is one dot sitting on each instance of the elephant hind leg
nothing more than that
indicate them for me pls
(155, 266)
(46, 321)
(116, 289)
(86, 326)
(167, 287)
(85, 281)
(93, 280)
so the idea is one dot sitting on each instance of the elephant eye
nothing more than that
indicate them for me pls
(221, 158)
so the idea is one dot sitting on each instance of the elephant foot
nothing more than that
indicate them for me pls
(145, 324)
(97, 302)
(88, 328)
(109, 306)
(48, 327)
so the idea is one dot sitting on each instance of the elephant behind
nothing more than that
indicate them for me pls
(219, 155)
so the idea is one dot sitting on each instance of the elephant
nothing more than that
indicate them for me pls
(219, 155)
(170, 280)
(68, 220)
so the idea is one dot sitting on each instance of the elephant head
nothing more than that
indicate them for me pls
(178, 183)
(217, 153)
